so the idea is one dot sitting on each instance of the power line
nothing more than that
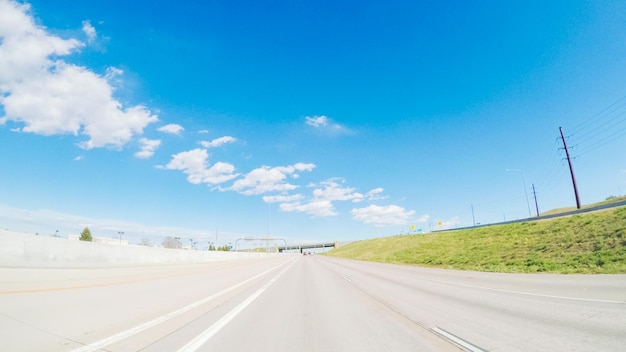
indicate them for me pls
(608, 139)
(553, 172)
(621, 102)
(596, 131)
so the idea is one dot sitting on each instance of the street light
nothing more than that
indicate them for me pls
(120, 233)
(525, 191)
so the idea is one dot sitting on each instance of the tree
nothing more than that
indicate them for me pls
(146, 242)
(86, 235)
(171, 242)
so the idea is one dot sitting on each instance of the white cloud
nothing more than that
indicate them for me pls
(321, 202)
(283, 198)
(218, 142)
(374, 194)
(317, 208)
(423, 218)
(326, 125)
(114, 76)
(148, 147)
(171, 128)
(194, 164)
(50, 96)
(316, 121)
(382, 215)
(333, 191)
(269, 179)
(90, 31)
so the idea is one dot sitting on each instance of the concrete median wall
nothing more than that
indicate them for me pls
(19, 250)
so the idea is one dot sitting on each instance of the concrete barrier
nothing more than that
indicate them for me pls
(20, 250)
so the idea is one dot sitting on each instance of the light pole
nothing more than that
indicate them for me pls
(120, 233)
(525, 191)
(269, 207)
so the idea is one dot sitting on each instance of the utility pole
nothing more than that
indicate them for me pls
(536, 204)
(473, 218)
(571, 169)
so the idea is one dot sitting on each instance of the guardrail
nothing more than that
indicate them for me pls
(543, 217)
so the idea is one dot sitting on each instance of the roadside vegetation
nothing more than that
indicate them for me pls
(591, 243)
(608, 200)
(86, 235)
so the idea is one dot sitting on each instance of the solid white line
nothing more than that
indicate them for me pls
(137, 329)
(207, 334)
(457, 340)
(530, 293)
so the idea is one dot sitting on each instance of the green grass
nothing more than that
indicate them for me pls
(609, 200)
(592, 243)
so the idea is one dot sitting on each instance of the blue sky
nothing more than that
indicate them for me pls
(307, 120)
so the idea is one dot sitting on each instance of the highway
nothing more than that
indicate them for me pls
(290, 302)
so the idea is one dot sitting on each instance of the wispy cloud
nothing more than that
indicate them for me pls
(283, 198)
(90, 31)
(50, 96)
(321, 203)
(325, 125)
(317, 121)
(218, 142)
(171, 128)
(382, 215)
(47, 222)
(332, 190)
(148, 147)
(317, 208)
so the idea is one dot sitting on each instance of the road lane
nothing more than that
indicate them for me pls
(307, 303)
(311, 308)
(502, 312)
(69, 309)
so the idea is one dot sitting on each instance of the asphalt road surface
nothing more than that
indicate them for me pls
(291, 302)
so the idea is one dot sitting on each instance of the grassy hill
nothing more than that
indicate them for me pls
(587, 243)
(609, 200)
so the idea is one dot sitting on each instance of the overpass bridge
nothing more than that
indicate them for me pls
(302, 247)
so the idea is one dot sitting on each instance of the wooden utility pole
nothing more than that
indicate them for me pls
(536, 204)
(571, 170)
